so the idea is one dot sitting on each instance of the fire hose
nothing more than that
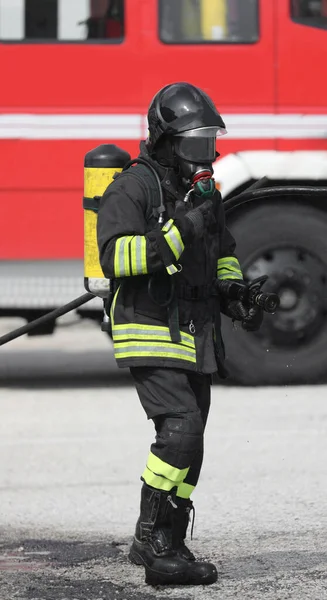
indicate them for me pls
(51, 316)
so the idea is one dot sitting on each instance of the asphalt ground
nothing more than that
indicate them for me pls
(73, 442)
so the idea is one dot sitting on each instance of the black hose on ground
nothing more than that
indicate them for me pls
(51, 316)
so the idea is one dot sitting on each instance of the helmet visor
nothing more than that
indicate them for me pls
(198, 145)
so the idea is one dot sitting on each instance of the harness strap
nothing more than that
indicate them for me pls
(173, 320)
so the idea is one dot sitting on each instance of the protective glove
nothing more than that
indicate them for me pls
(251, 317)
(192, 224)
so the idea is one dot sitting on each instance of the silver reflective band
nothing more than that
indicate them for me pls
(140, 348)
(203, 132)
(137, 241)
(172, 269)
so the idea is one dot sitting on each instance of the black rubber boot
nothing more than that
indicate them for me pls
(153, 545)
(203, 572)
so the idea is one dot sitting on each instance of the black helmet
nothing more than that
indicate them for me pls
(183, 126)
(181, 107)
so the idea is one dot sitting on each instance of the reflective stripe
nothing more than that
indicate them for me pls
(228, 261)
(136, 332)
(117, 256)
(229, 274)
(151, 328)
(168, 225)
(172, 269)
(159, 349)
(174, 241)
(119, 337)
(156, 481)
(122, 265)
(229, 268)
(112, 309)
(185, 490)
(138, 255)
(160, 467)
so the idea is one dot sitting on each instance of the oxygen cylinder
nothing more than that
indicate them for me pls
(100, 165)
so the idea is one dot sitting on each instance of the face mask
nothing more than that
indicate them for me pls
(195, 152)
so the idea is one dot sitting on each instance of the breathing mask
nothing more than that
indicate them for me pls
(195, 153)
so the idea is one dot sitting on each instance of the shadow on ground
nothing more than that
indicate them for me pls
(56, 369)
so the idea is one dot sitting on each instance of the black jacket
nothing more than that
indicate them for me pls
(131, 252)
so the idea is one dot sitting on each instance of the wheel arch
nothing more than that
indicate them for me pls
(315, 197)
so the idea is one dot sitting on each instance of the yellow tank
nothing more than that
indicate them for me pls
(100, 165)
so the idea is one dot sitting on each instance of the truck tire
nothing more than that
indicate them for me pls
(287, 241)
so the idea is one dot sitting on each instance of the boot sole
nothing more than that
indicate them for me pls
(154, 578)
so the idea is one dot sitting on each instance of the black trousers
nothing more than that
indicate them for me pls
(178, 402)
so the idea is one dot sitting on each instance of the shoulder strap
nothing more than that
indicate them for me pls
(149, 179)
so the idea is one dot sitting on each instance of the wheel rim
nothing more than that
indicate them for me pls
(299, 277)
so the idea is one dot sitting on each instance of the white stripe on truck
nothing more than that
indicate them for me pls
(134, 126)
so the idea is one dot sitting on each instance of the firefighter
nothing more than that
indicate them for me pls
(165, 314)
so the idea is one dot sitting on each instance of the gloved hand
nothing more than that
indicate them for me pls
(192, 224)
(251, 318)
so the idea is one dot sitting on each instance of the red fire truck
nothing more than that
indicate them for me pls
(79, 73)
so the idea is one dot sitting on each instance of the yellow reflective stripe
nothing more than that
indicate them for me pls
(229, 268)
(234, 272)
(174, 241)
(157, 482)
(138, 255)
(157, 349)
(145, 354)
(113, 305)
(160, 467)
(119, 337)
(117, 256)
(224, 270)
(138, 347)
(167, 225)
(127, 262)
(151, 328)
(122, 265)
(185, 490)
(228, 261)
(172, 269)
(230, 275)
(143, 255)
